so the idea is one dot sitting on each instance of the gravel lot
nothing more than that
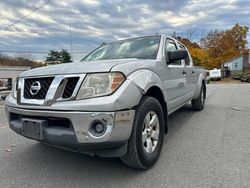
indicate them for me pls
(203, 149)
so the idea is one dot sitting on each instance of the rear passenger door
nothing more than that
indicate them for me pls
(190, 74)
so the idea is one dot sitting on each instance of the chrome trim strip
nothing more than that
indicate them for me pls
(52, 90)
(78, 85)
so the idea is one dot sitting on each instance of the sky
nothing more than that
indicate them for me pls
(96, 21)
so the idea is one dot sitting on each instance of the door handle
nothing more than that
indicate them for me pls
(193, 73)
(184, 72)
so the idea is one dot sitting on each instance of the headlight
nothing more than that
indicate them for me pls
(100, 84)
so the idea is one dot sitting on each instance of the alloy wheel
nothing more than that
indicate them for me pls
(150, 132)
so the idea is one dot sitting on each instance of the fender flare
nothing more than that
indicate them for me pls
(144, 79)
(199, 84)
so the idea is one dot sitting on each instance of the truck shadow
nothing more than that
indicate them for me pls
(177, 120)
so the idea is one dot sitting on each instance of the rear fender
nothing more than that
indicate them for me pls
(199, 84)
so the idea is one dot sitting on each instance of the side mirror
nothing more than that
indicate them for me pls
(176, 55)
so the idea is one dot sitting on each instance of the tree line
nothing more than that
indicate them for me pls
(54, 57)
(18, 61)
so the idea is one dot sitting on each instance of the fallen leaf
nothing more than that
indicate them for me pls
(235, 108)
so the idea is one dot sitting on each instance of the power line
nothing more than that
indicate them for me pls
(25, 16)
(35, 52)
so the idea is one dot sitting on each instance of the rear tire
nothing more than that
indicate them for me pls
(199, 103)
(145, 143)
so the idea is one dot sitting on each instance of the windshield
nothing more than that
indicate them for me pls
(140, 48)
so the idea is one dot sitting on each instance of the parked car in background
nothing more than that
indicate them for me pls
(4, 94)
(5, 87)
(115, 103)
(245, 78)
(238, 75)
(215, 74)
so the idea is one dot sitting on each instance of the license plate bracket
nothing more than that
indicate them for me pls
(33, 128)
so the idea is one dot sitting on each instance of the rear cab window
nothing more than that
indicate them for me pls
(187, 60)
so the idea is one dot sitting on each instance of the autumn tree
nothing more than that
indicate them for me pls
(239, 35)
(188, 43)
(199, 55)
(201, 58)
(225, 45)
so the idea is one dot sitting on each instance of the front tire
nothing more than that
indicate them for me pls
(145, 143)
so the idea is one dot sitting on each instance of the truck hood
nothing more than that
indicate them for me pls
(76, 68)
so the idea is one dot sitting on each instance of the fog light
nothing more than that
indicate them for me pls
(98, 128)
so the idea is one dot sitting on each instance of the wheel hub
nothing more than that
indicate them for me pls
(150, 132)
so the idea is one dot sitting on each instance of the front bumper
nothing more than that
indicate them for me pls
(70, 129)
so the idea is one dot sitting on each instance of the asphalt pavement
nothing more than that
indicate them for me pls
(210, 148)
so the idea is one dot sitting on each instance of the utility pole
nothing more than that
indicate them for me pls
(174, 34)
(201, 39)
(70, 38)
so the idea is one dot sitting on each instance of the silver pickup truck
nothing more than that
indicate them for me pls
(114, 103)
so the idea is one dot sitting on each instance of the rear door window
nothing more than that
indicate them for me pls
(187, 60)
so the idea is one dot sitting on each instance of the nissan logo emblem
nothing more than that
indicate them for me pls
(35, 88)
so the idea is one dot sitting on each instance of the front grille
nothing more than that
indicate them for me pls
(45, 84)
(70, 87)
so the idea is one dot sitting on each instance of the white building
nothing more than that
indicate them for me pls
(10, 73)
(239, 64)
